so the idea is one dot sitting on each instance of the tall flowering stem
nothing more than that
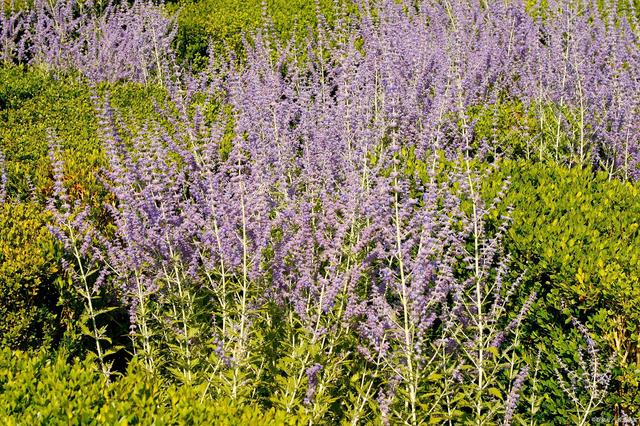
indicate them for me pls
(73, 228)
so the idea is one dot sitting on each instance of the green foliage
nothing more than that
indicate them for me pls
(224, 22)
(29, 267)
(576, 234)
(35, 106)
(38, 389)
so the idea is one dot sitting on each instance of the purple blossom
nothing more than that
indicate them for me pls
(3, 178)
(312, 381)
(122, 42)
(318, 189)
(514, 395)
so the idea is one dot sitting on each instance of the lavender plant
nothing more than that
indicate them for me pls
(126, 43)
(114, 42)
(439, 318)
(586, 385)
(3, 178)
(335, 239)
(12, 27)
(308, 224)
(571, 65)
(87, 276)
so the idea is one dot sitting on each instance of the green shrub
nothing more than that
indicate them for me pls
(223, 22)
(34, 106)
(38, 389)
(576, 234)
(29, 266)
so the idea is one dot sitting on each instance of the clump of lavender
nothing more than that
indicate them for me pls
(152, 255)
(3, 178)
(74, 230)
(325, 224)
(119, 41)
(571, 66)
(13, 24)
(481, 326)
(126, 42)
(587, 384)
(514, 395)
(427, 319)
(312, 381)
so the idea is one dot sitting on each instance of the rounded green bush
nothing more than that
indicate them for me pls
(29, 266)
(41, 389)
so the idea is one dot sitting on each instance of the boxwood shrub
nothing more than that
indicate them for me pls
(50, 389)
(576, 235)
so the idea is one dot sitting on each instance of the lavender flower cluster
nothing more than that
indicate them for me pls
(333, 197)
(119, 41)
(573, 66)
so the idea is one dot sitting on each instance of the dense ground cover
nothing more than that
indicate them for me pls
(411, 212)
